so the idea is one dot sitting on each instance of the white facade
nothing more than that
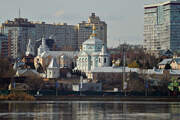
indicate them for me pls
(87, 87)
(30, 48)
(93, 54)
(53, 69)
(43, 47)
(64, 59)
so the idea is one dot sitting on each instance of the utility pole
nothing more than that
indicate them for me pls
(81, 84)
(124, 70)
(57, 85)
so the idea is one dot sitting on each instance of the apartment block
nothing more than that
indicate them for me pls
(3, 45)
(18, 32)
(162, 26)
(65, 36)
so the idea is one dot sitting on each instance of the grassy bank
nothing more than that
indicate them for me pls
(19, 96)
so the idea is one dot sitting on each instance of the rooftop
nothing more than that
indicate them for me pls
(162, 3)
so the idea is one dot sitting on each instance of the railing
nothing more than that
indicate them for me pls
(85, 93)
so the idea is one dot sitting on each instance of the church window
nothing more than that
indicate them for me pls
(99, 60)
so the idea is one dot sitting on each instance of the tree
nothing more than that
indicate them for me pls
(6, 68)
(34, 82)
(133, 65)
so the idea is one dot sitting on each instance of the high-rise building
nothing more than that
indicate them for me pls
(85, 29)
(18, 32)
(162, 26)
(3, 45)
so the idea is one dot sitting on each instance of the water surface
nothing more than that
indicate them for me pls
(88, 110)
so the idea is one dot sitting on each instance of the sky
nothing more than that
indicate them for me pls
(124, 18)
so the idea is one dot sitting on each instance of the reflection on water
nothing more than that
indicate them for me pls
(89, 111)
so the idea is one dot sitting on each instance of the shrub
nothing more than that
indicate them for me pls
(15, 96)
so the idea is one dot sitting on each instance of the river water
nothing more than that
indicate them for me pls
(88, 110)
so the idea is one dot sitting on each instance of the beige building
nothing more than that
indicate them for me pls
(175, 64)
(85, 29)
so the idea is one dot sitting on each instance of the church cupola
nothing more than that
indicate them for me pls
(30, 48)
(103, 57)
(43, 47)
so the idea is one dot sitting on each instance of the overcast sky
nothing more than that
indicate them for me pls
(124, 18)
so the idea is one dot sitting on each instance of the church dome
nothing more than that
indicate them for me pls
(93, 41)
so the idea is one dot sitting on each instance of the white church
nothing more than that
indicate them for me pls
(93, 54)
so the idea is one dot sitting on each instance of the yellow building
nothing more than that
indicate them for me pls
(175, 64)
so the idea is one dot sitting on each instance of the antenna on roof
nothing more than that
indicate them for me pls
(19, 13)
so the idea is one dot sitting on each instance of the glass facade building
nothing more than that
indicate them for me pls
(162, 26)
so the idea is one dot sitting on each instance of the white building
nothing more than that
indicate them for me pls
(87, 86)
(93, 54)
(64, 59)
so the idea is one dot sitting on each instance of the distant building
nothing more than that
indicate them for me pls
(85, 29)
(161, 26)
(65, 36)
(18, 32)
(3, 45)
(58, 37)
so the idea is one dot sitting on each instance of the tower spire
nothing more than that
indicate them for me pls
(93, 31)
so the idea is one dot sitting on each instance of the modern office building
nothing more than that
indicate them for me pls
(18, 32)
(162, 26)
(85, 29)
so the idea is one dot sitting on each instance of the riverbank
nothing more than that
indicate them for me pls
(18, 97)
(106, 98)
